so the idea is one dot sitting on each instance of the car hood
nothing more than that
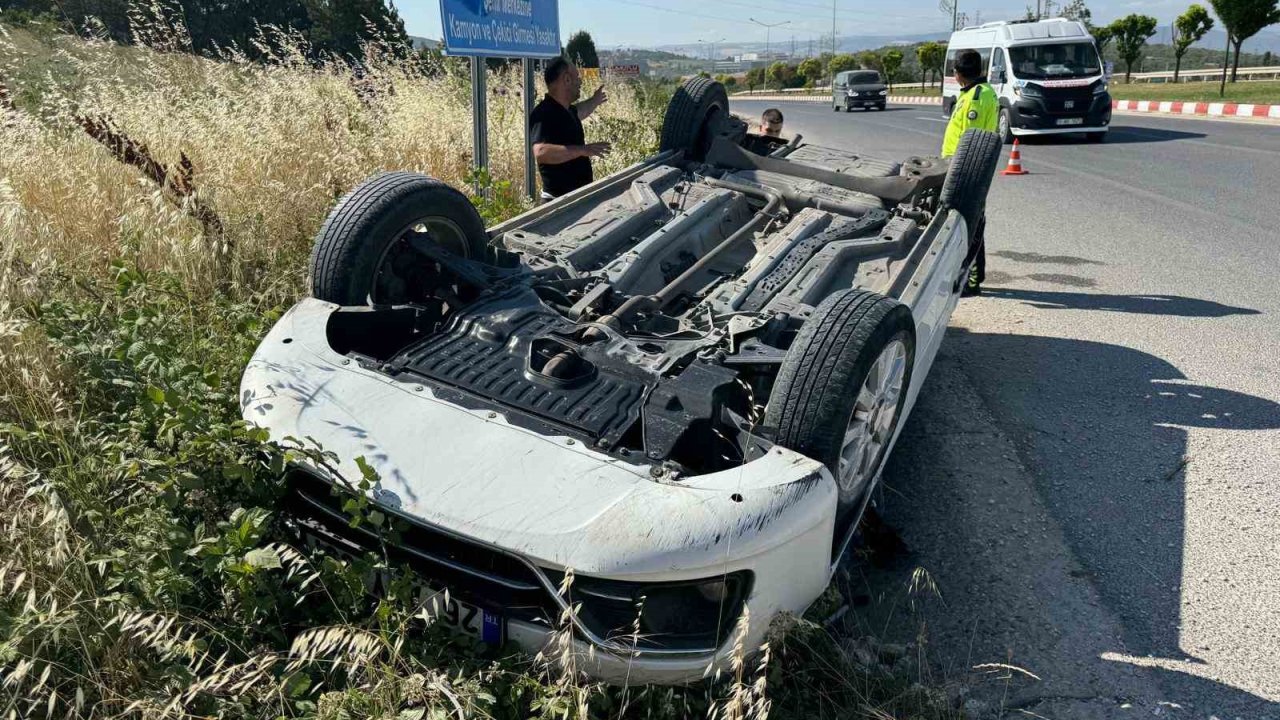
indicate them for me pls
(550, 498)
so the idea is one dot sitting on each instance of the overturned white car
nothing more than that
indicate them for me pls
(680, 382)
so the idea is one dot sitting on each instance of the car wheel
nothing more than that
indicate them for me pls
(364, 252)
(1004, 127)
(880, 107)
(1096, 137)
(969, 177)
(695, 114)
(840, 392)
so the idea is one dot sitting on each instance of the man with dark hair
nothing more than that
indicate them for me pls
(555, 130)
(976, 107)
(771, 122)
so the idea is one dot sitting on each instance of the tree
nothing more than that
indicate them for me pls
(869, 60)
(1188, 28)
(931, 55)
(1077, 10)
(1266, 59)
(1242, 19)
(842, 62)
(729, 81)
(781, 74)
(890, 64)
(1131, 33)
(1101, 36)
(582, 50)
(755, 76)
(811, 70)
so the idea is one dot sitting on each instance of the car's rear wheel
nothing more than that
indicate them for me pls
(840, 392)
(368, 250)
(697, 111)
(969, 177)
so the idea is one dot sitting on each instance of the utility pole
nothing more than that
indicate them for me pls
(833, 28)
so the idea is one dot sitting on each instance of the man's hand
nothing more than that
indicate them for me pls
(596, 149)
(588, 106)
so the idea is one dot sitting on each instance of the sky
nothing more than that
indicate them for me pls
(647, 23)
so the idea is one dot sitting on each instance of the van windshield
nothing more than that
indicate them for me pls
(862, 78)
(1065, 60)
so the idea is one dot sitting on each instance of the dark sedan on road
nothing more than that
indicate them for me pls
(858, 89)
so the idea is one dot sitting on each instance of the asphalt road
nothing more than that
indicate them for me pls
(1092, 477)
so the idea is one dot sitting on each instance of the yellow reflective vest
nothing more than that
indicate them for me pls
(976, 107)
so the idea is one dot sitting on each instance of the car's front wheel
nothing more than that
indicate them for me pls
(370, 248)
(840, 393)
(1004, 127)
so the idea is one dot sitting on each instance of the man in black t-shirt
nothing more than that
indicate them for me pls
(555, 130)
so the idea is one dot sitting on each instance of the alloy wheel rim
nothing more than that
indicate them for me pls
(874, 417)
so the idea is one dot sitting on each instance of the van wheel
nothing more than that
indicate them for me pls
(841, 389)
(1004, 127)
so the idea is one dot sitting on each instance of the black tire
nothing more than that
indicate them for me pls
(880, 107)
(1095, 137)
(969, 177)
(356, 239)
(695, 114)
(818, 384)
(1004, 127)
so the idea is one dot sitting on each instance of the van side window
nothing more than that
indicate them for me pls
(998, 65)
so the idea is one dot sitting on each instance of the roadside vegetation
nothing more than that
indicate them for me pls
(156, 211)
(1254, 91)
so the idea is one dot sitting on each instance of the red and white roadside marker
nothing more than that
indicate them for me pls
(1168, 107)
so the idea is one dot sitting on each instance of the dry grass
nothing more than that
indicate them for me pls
(156, 210)
(271, 146)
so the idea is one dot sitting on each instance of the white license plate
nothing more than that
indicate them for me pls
(461, 617)
(1070, 121)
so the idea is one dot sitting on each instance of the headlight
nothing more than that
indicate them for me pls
(1030, 91)
(884, 92)
(1099, 88)
(853, 93)
(694, 615)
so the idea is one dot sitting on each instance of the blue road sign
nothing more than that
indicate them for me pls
(501, 28)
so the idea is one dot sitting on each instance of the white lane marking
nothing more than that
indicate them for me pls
(933, 119)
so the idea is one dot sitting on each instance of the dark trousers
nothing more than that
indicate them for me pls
(978, 254)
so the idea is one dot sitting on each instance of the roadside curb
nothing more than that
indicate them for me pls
(1222, 109)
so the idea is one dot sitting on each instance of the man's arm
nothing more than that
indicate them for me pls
(552, 154)
(588, 106)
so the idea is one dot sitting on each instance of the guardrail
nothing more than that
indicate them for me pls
(825, 91)
(1247, 74)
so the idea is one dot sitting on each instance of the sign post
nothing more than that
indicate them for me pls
(478, 29)
(530, 175)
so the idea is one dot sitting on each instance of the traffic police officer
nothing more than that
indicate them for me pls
(976, 107)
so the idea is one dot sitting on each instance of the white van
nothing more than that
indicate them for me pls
(1047, 74)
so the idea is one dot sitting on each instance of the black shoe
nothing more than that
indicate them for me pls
(971, 290)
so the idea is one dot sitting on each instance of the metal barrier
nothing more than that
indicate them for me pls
(1246, 74)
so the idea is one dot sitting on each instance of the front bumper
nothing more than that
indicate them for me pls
(528, 506)
(1041, 116)
(862, 101)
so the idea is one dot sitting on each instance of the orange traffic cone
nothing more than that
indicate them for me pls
(1015, 161)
